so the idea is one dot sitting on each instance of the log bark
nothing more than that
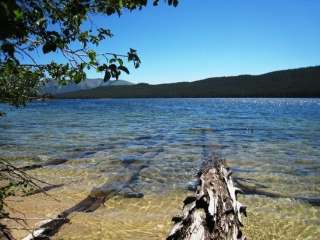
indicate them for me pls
(5, 233)
(213, 213)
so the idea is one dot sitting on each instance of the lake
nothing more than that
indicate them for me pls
(273, 144)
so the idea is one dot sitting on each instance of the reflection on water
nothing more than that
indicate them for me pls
(275, 142)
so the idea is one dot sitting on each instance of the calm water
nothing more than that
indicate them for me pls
(274, 142)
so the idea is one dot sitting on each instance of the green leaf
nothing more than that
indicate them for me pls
(173, 2)
(107, 76)
(79, 76)
(8, 48)
(113, 67)
(124, 69)
(110, 11)
(92, 55)
(49, 47)
(120, 61)
(102, 68)
(18, 14)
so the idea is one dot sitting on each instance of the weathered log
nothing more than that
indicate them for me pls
(5, 233)
(213, 213)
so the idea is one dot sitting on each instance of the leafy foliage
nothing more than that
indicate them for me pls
(50, 26)
(18, 83)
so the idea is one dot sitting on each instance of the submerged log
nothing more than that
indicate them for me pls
(249, 190)
(97, 198)
(43, 189)
(213, 213)
(52, 162)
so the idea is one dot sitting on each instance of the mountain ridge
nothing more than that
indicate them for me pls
(53, 88)
(299, 82)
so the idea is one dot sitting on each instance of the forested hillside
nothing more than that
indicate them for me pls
(302, 82)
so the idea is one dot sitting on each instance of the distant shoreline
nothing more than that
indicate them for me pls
(294, 83)
(106, 98)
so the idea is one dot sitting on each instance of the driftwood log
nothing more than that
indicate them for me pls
(214, 212)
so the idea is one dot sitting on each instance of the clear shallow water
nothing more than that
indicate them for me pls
(273, 141)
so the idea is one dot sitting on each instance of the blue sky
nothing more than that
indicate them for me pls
(206, 38)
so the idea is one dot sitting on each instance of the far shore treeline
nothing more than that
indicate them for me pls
(302, 82)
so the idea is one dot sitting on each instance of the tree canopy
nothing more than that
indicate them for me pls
(46, 26)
